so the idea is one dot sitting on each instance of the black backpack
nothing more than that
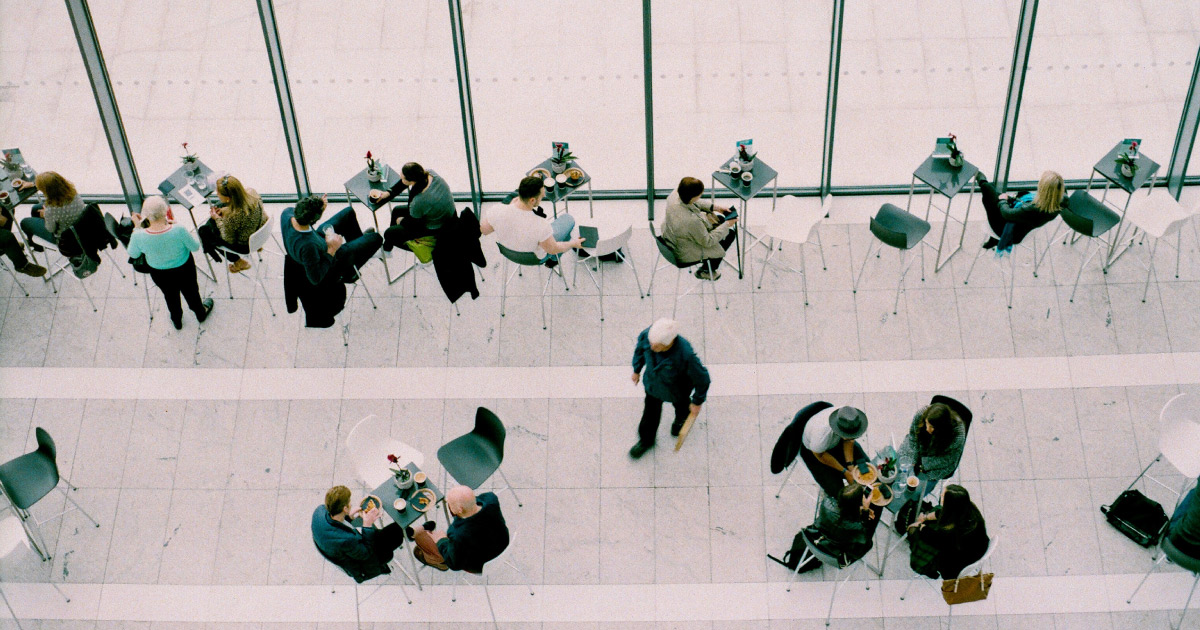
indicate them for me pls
(1137, 516)
(792, 556)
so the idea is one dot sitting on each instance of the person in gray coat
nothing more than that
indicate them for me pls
(696, 230)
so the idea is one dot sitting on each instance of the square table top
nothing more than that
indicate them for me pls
(388, 493)
(360, 187)
(179, 179)
(1108, 167)
(943, 178)
(562, 191)
(763, 175)
(6, 180)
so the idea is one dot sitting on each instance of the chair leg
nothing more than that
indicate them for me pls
(87, 293)
(357, 614)
(60, 592)
(762, 273)
(546, 287)
(1012, 275)
(228, 280)
(858, 278)
(803, 273)
(971, 269)
(18, 281)
(510, 488)
(837, 585)
(821, 248)
(675, 308)
(1161, 556)
(524, 577)
(77, 507)
(602, 290)
(488, 594)
(1187, 603)
(504, 287)
(708, 266)
(911, 581)
(786, 477)
(149, 306)
(804, 559)
(629, 259)
(258, 278)
(108, 254)
(10, 609)
(1150, 271)
(359, 279)
(1075, 287)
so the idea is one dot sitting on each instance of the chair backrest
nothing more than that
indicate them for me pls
(1087, 215)
(890, 237)
(262, 234)
(608, 246)
(977, 566)
(1179, 433)
(668, 254)
(529, 259)
(330, 561)
(820, 554)
(489, 427)
(367, 445)
(46, 445)
(957, 408)
(1077, 222)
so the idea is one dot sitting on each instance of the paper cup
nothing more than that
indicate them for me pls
(400, 504)
(735, 168)
(913, 481)
(747, 178)
(548, 182)
(420, 478)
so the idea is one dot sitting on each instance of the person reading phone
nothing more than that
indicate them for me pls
(696, 230)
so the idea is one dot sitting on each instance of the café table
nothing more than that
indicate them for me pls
(562, 191)
(359, 188)
(387, 492)
(761, 175)
(17, 197)
(1108, 168)
(902, 494)
(179, 186)
(947, 181)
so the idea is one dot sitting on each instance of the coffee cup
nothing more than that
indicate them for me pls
(735, 168)
(548, 182)
(420, 478)
(746, 178)
(561, 178)
(912, 482)
(400, 504)
(4, 197)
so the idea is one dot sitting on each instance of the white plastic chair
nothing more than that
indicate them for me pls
(810, 552)
(369, 444)
(1160, 216)
(12, 536)
(607, 247)
(795, 221)
(1178, 441)
(256, 242)
(975, 568)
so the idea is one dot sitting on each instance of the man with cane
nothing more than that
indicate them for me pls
(674, 374)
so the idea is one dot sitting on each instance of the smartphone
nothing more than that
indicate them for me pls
(732, 214)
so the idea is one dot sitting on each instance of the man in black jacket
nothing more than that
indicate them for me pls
(477, 536)
(364, 553)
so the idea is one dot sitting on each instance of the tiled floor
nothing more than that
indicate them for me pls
(203, 452)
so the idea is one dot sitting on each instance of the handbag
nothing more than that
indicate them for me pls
(1139, 517)
(968, 589)
(82, 265)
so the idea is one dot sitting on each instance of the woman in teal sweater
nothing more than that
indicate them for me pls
(168, 249)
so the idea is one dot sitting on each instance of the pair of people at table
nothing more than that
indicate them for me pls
(934, 444)
(477, 535)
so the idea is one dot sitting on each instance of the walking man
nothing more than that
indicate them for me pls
(674, 374)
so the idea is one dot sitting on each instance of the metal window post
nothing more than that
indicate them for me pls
(831, 91)
(466, 108)
(283, 94)
(1016, 87)
(106, 101)
(648, 93)
(1185, 138)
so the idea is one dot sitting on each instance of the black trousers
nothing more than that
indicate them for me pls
(11, 247)
(210, 240)
(713, 263)
(652, 415)
(358, 248)
(991, 205)
(387, 540)
(179, 281)
(408, 229)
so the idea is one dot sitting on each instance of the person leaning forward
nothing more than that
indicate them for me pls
(834, 445)
(674, 374)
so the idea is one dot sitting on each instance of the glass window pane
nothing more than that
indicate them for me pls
(561, 71)
(47, 108)
(912, 72)
(726, 71)
(195, 72)
(373, 75)
(1099, 74)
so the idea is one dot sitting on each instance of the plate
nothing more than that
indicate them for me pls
(372, 499)
(867, 478)
(881, 495)
(422, 500)
(573, 174)
(539, 172)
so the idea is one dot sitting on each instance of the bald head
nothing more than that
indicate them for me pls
(461, 501)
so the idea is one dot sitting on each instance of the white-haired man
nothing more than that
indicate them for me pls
(674, 374)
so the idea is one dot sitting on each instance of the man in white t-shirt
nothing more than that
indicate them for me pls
(519, 229)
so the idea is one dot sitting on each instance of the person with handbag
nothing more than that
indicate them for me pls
(948, 538)
(168, 249)
(62, 208)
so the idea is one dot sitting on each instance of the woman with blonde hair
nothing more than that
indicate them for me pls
(61, 209)
(168, 249)
(1012, 218)
(237, 215)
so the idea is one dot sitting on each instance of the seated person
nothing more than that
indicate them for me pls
(234, 219)
(477, 536)
(833, 444)
(949, 538)
(519, 229)
(63, 208)
(846, 523)
(1184, 528)
(363, 552)
(430, 205)
(343, 252)
(1013, 218)
(13, 248)
(934, 443)
(696, 229)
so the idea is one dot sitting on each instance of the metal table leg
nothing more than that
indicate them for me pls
(591, 210)
(912, 185)
(212, 275)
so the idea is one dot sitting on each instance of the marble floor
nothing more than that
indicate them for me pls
(203, 452)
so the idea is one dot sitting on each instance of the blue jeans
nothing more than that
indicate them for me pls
(561, 229)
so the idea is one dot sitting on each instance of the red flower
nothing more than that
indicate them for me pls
(393, 459)
(368, 155)
(185, 146)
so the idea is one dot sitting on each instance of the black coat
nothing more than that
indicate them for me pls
(355, 551)
(322, 302)
(93, 235)
(456, 251)
(789, 443)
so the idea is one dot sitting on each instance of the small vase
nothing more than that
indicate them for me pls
(558, 167)
(887, 479)
(13, 169)
(374, 176)
(402, 485)
(956, 161)
(192, 169)
(1126, 170)
(747, 165)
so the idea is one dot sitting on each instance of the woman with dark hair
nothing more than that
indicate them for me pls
(846, 523)
(950, 537)
(935, 442)
(430, 205)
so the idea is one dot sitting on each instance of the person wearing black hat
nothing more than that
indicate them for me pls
(834, 445)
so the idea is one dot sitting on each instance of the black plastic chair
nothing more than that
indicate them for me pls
(28, 478)
(527, 259)
(1090, 218)
(472, 458)
(668, 255)
(894, 227)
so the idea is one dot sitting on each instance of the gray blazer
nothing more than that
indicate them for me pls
(691, 229)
